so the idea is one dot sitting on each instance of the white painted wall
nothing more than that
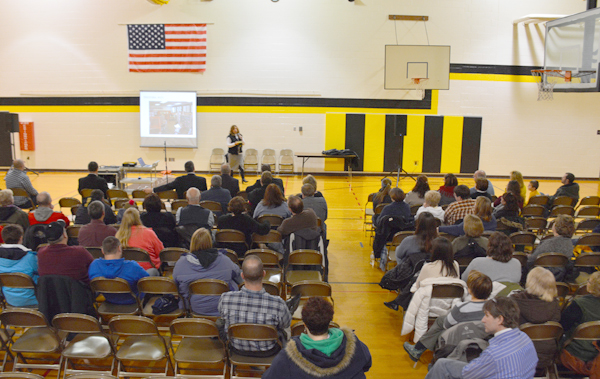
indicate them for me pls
(329, 48)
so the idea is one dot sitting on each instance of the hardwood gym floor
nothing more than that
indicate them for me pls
(358, 297)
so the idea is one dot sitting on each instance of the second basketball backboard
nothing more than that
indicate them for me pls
(404, 63)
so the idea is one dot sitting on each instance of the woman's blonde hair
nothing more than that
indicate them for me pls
(516, 175)
(233, 127)
(131, 218)
(593, 284)
(541, 283)
(483, 208)
(432, 198)
(201, 240)
(473, 226)
(6, 197)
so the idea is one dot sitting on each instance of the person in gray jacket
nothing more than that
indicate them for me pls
(317, 204)
(563, 229)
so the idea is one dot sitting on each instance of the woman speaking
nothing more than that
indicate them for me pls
(235, 155)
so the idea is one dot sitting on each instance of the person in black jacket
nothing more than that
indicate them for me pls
(256, 195)
(183, 183)
(239, 220)
(229, 183)
(82, 216)
(163, 223)
(93, 181)
(264, 168)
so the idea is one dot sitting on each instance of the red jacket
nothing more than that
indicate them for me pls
(55, 216)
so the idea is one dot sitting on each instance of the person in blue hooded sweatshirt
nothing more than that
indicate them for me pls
(321, 351)
(14, 257)
(113, 265)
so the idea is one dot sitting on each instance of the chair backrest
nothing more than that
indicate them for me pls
(251, 152)
(126, 325)
(74, 209)
(533, 210)
(270, 160)
(116, 285)
(588, 259)
(310, 288)
(521, 257)
(587, 225)
(171, 254)
(16, 280)
(218, 151)
(268, 257)
(588, 331)
(73, 231)
(380, 207)
(121, 203)
(138, 194)
(446, 291)
(305, 257)
(268, 152)
(563, 200)
(274, 220)
(22, 375)
(588, 211)
(230, 235)
(95, 251)
(167, 195)
(562, 210)
(589, 200)
(86, 192)
(272, 237)
(68, 202)
(23, 317)
(464, 261)
(136, 254)
(538, 200)
(551, 260)
(178, 203)
(76, 323)
(116, 194)
(523, 238)
(298, 328)
(157, 285)
(232, 255)
(253, 332)
(414, 209)
(398, 237)
(272, 288)
(590, 239)
(194, 327)
(208, 287)
(286, 153)
(547, 331)
(563, 290)
(536, 224)
(213, 206)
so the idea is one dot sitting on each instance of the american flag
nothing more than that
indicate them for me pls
(167, 47)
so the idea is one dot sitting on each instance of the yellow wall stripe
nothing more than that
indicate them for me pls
(374, 142)
(452, 144)
(413, 144)
(335, 138)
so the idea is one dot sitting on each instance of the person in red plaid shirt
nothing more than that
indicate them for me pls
(463, 205)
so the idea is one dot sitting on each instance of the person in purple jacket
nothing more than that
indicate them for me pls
(204, 262)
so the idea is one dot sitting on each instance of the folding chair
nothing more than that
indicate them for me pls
(168, 257)
(232, 255)
(140, 342)
(297, 271)
(114, 194)
(16, 280)
(139, 195)
(588, 211)
(206, 287)
(590, 239)
(116, 286)
(250, 332)
(272, 237)
(286, 161)
(179, 203)
(268, 157)
(154, 287)
(563, 200)
(307, 289)
(536, 225)
(85, 193)
(586, 226)
(38, 339)
(122, 203)
(298, 328)
(251, 160)
(551, 260)
(167, 195)
(414, 209)
(589, 200)
(137, 254)
(96, 252)
(270, 260)
(230, 236)
(73, 232)
(521, 240)
(539, 200)
(548, 331)
(274, 220)
(533, 210)
(217, 158)
(562, 210)
(446, 291)
(90, 342)
(563, 290)
(69, 202)
(200, 348)
(521, 257)
(369, 212)
(21, 192)
(588, 331)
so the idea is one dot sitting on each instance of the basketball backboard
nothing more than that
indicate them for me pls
(403, 63)
(572, 44)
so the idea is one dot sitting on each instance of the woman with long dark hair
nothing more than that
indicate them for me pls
(235, 141)
(421, 241)
(514, 188)
(442, 262)
(417, 195)
(273, 203)
(508, 208)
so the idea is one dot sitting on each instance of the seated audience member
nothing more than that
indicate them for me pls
(16, 177)
(264, 168)
(92, 234)
(317, 204)
(472, 230)
(514, 188)
(442, 263)
(463, 205)
(230, 183)
(480, 288)
(132, 233)
(183, 183)
(44, 213)
(217, 193)
(301, 218)
(258, 194)
(537, 305)
(480, 174)
(239, 220)
(92, 181)
(9, 212)
(508, 207)
(421, 241)
(309, 179)
(533, 189)
(163, 223)
(113, 265)
(14, 257)
(398, 207)
(432, 199)
(321, 351)
(499, 265)
(569, 188)
(252, 304)
(417, 195)
(193, 213)
(447, 190)
(510, 354)
(483, 210)
(518, 177)
(82, 215)
(204, 262)
(582, 356)
(272, 203)
(562, 229)
(383, 195)
(60, 259)
(481, 185)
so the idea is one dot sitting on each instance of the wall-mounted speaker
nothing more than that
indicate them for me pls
(14, 123)
(399, 126)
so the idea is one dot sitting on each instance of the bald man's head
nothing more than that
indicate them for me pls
(252, 269)
(193, 195)
(19, 164)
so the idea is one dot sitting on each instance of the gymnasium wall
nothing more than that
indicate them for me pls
(272, 67)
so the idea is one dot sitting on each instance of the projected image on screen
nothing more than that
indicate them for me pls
(168, 117)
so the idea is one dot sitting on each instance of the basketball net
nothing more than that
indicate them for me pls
(545, 88)
(420, 86)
